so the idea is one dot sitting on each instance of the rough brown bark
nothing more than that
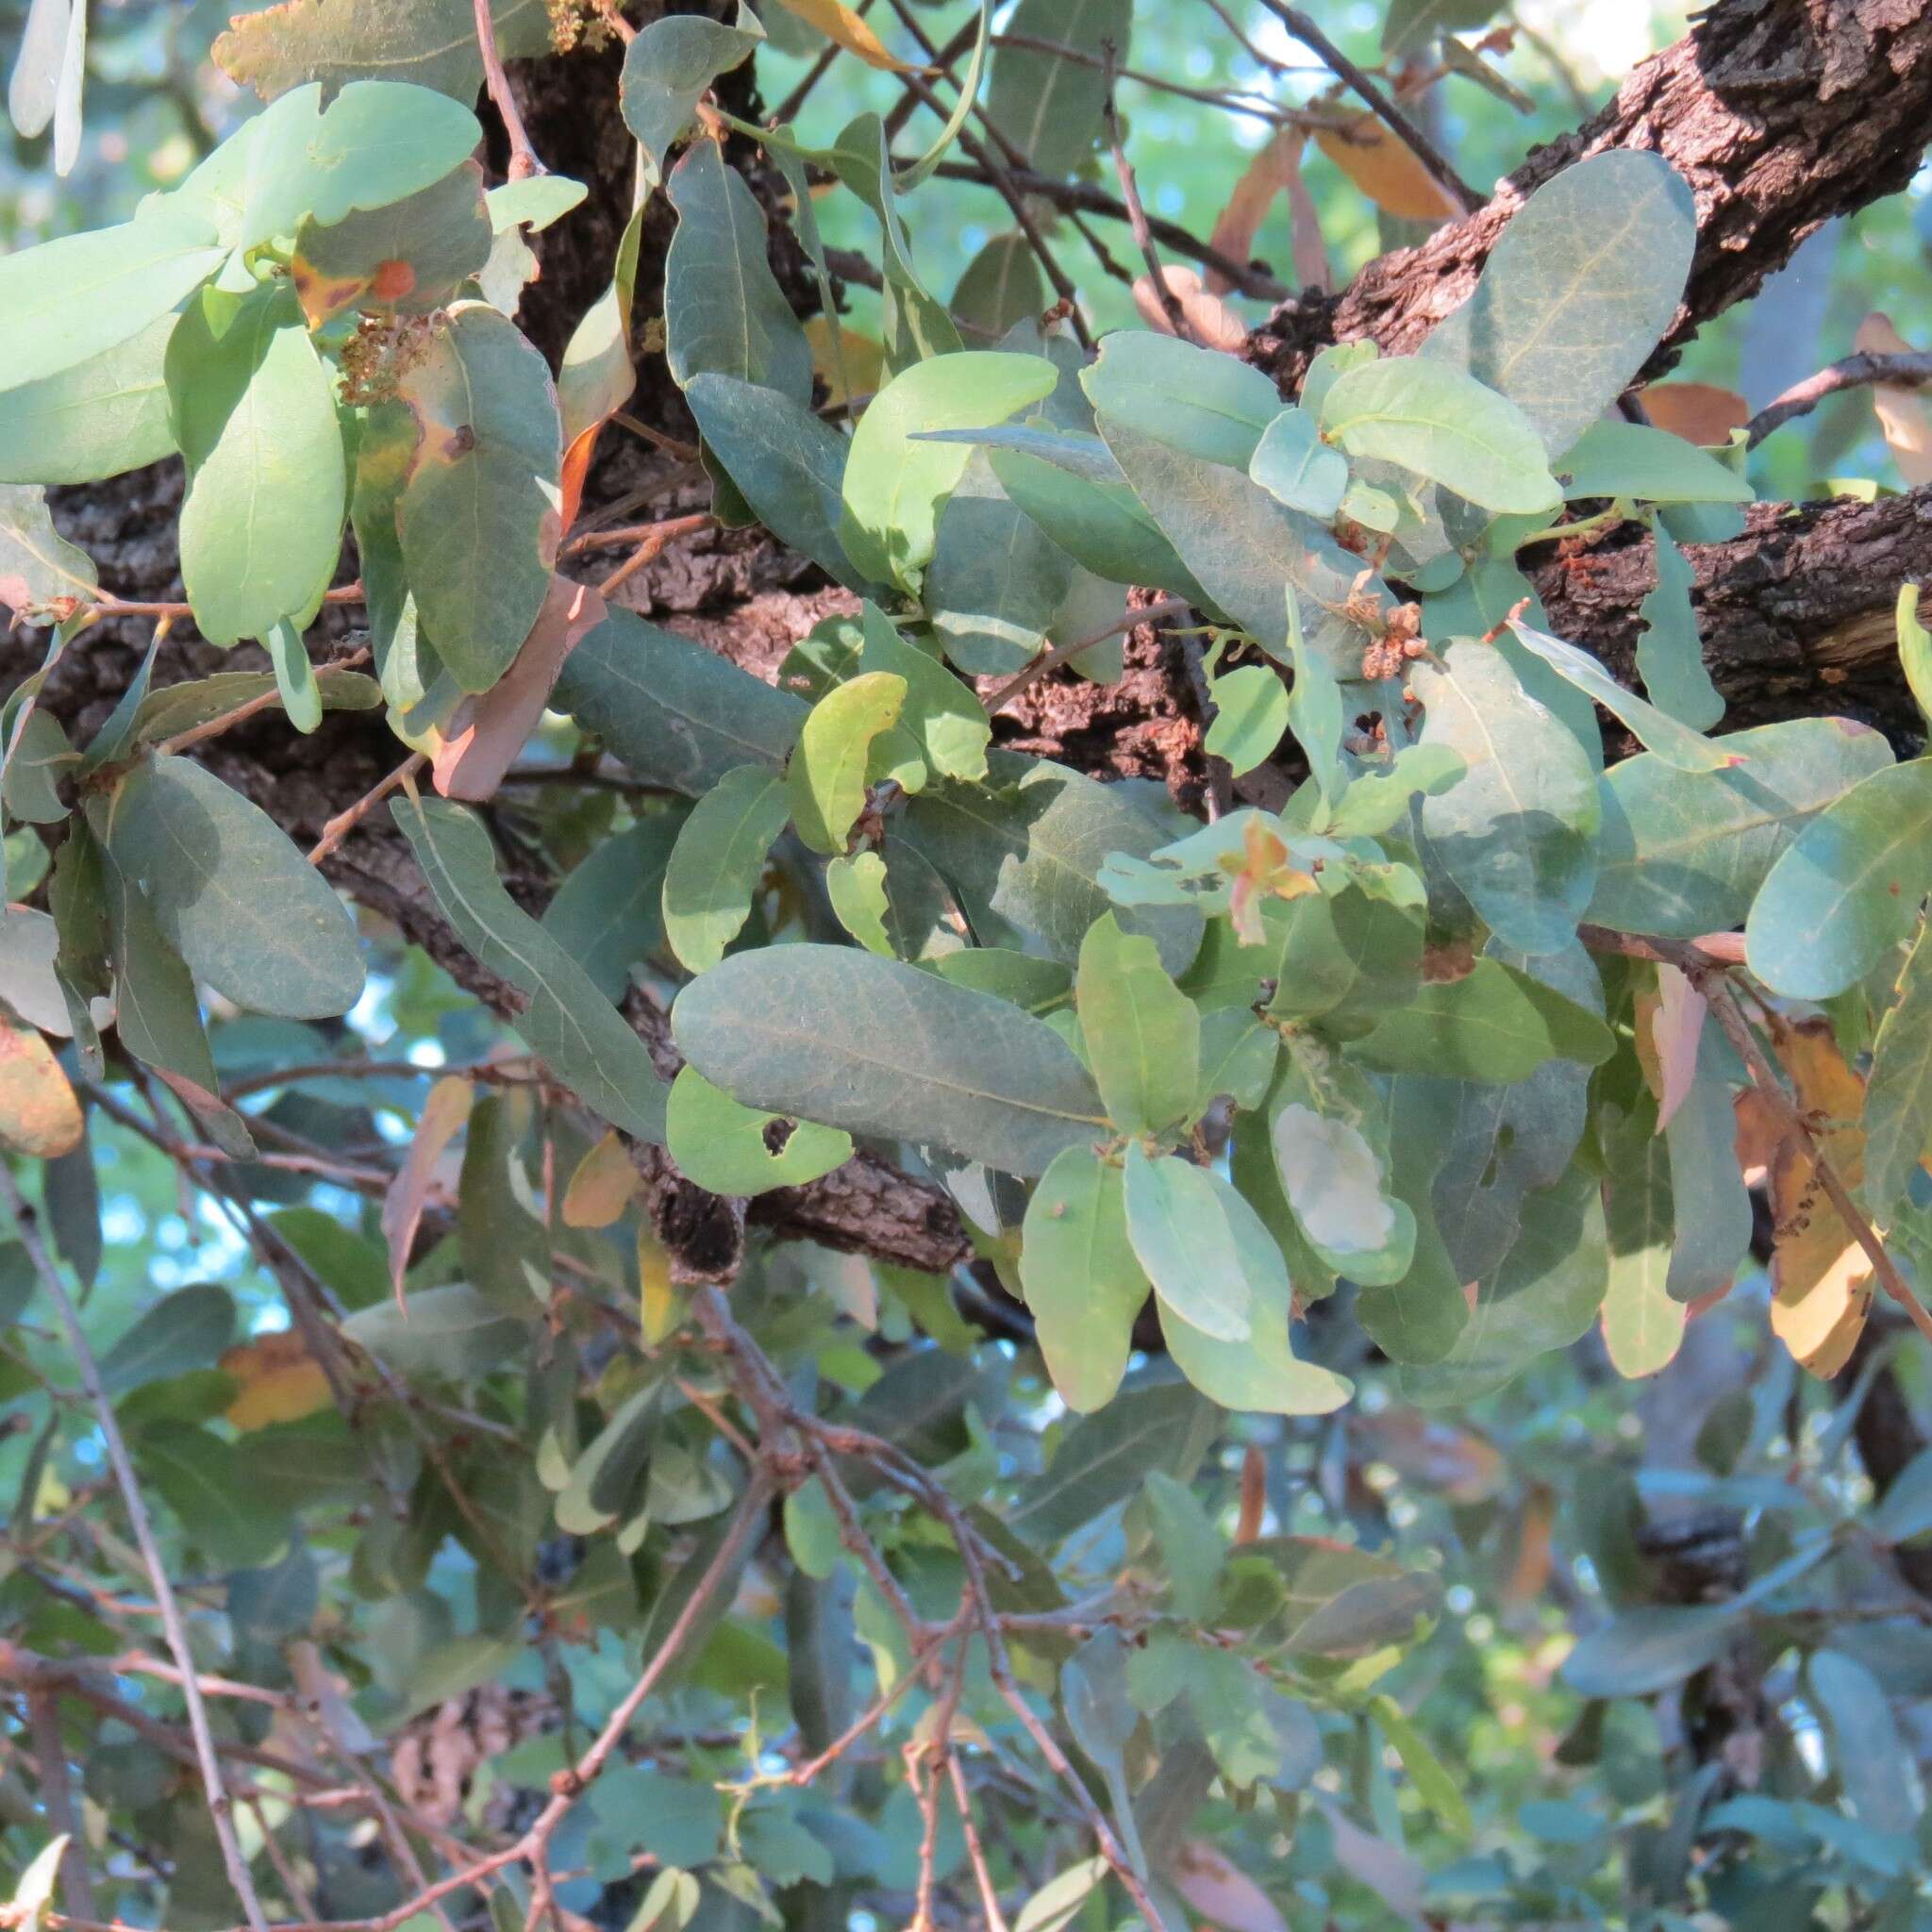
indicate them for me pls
(1779, 113)
(1796, 615)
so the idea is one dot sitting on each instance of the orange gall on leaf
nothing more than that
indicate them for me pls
(392, 280)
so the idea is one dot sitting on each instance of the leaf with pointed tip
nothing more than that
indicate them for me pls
(1633, 459)
(837, 1035)
(1670, 652)
(569, 1024)
(946, 719)
(1002, 284)
(232, 895)
(1657, 730)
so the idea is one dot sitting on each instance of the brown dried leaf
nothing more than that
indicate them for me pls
(443, 1116)
(1209, 320)
(1274, 167)
(1385, 170)
(486, 733)
(1700, 412)
(1902, 412)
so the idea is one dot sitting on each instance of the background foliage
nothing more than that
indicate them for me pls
(1505, 1637)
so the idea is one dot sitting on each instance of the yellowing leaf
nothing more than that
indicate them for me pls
(39, 1115)
(280, 1381)
(1821, 1277)
(1386, 170)
(838, 23)
(1902, 412)
(660, 1302)
(602, 1187)
(863, 355)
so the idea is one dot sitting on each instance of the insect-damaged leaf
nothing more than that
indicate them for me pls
(733, 1149)
(569, 1024)
(847, 738)
(408, 256)
(230, 894)
(39, 567)
(840, 1036)
(478, 514)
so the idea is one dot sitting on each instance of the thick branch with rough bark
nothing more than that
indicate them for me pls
(1796, 615)
(1780, 114)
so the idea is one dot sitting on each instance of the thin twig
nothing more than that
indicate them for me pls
(56, 1797)
(975, 1852)
(1084, 195)
(652, 546)
(523, 157)
(1391, 116)
(345, 823)
(1137, 215)
(250, 708)
(1060, 654)
(1906, 367)
(219, 1806)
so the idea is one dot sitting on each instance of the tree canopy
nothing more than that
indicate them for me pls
(884, 1038)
